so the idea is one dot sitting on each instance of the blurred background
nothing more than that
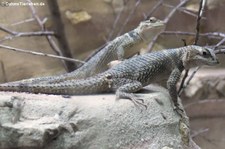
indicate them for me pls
(77, 28)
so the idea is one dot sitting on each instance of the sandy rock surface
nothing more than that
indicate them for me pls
(90, 122)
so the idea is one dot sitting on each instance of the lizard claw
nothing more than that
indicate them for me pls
(66, 96)
(138, 102)
(178, 110)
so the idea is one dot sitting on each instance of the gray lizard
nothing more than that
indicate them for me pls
(120, 48)
(130, 75)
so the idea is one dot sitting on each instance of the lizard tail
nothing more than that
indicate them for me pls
(92, 85)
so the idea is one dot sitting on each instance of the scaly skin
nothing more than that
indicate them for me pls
(120, 48)
(130, 75)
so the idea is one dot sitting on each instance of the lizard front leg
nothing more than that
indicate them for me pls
(127, 90)
(171, 86)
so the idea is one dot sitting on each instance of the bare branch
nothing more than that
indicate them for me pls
(60, 33)
(182, 82)
(21, 22)
(220, 51)
(129, 17)
(40, 54)
(7, 30)
(200, 13)
(210, 34)
(204, 101)
(182, 10)
(219, 43)
(166, 20)
(27, 34)
(154, 9)
(116, 22)
(181, 89)
(35, 15)
(151, 44)
(199, 132)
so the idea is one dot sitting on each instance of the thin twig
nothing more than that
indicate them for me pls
(219, 43)
(7, 30)
(199, 132)
(200, 13)
(220, 51)
(151, 44)
(154, 9)
(53, 45)
(166, 20)
(116, 22)
(183, 10)
(204, 101)
(40, 54)
(27, 34)
(210, 34)
(95, 52)
(129, 17)
(34, 13)
(182, 82)
(23, 21)
(50, 40)
(60, 33)
(181, 89)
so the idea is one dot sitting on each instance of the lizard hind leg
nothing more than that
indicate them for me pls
(127, 90)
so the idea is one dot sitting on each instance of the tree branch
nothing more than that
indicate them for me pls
(166, 20)
(40, 54)
(200, 13)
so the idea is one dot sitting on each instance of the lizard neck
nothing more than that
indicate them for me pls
(135, 36)
(185, 54)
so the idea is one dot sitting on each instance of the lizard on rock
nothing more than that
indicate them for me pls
(120, 48)
(130, 75)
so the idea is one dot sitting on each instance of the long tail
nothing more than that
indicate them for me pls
(97, 84)
(51, 79)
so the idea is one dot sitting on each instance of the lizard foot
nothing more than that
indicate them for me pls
(138, 102)
(178, 110)
(66, 96)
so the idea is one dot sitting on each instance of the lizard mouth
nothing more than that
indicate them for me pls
(214, 62)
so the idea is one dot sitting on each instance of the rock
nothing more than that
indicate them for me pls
(77, 17)
(91, 122)
(208, 84)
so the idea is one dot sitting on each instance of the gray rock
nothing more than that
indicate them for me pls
(91, 122)
(207, 84)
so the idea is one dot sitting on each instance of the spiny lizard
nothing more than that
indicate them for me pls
(121, 47)
(130, 75)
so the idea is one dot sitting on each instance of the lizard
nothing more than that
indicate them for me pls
(131, 75)
(120, 48)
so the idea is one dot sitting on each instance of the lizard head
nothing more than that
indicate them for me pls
(148, 29)
(198, 56)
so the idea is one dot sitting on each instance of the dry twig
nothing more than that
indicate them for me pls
(40, 54)
(199, 132)
(154, 9)
(200, 13)
(166, 20)
(129, 17)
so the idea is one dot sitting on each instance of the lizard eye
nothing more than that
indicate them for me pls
(204, 53)
(152, 20)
